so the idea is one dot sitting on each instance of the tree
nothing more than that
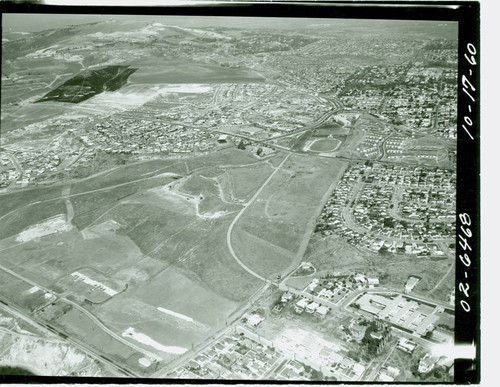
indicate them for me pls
(427, 335)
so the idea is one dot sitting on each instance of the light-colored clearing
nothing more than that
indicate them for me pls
(34, 289)
(175, 314)
(145, 339)
(91, 282)
(183, 88)
(50, 226)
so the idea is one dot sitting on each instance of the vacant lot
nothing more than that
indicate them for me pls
(20, 292)
(129, 173)
(24, 217)
(155, 241)
(30, 114)
(11, 201)
(284, 212)
(77, 324)
(244, 182)
(189, 312)
(192, 72)
(223, 158)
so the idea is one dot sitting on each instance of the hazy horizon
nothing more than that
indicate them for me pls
(19, 22)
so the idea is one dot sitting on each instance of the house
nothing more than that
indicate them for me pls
(145, 362)
(222, 139)
(254, 320)
(427, 363)
(410, 284)
(301, 305)
(360, 278)
(311, 308)
(321, 311)
(278, 307)
(407, 345)
(296, 367)
(385, 378)
(373, 282)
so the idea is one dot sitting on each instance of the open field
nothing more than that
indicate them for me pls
(31, 114)
(130, 172)
(163, 224)
(192, 72)
(89, 206)
(21, 293)
(244, 182)
(77, 324)
(189, 313)
(27, 216)
(286, 208)
(265, 257)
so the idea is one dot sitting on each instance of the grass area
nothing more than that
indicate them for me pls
(90, 206)
(207, 259)
(150, 227)
(17, 199)
(198, 185)
(29, 114)
(30, 215)
(128, 173)
(282, 211)
(244, 182)
(224, 157)
(76, 324)
(16, 290)
(172, 290)
(176, 238)
(299, 282)
(333, 254)
(193, 72)
(260, 255)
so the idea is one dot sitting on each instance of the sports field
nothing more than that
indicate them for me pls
(329, 145)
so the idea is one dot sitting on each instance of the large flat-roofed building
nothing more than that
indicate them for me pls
(401, 311)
